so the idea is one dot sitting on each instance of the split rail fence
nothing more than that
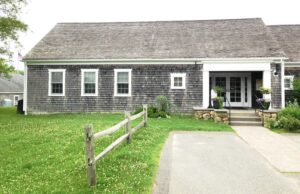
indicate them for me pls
(90, 138)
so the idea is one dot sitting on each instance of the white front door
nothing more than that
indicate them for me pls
(237, 88)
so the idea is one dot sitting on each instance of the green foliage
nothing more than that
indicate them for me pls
(5, 70)
(218, 90)
(10, 26)
(296, 89)
(289, 123)
(137, 110)
(154, 112)
(219, 102)
(162, 103)
(45, 153)
(264, 90)
(288, 118)
(292, 110)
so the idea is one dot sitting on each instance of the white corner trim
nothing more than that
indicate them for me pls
(282, 84)
(183, 76)
(25, 89)
(205, 96)
(63, 71)
(116, 71)
(96, 71)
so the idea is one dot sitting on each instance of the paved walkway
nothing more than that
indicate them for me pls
(280, 151)
(217, 162)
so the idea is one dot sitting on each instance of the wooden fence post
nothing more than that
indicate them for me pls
(90, 155)
(128, 126)
(145, 115)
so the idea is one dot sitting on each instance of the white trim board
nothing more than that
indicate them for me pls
(183, 76)
(149, 61)
(96, 71)
(50, 71)
(116, 71)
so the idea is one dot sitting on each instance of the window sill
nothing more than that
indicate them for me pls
(56, 95)
(83, 95)
(177, 88)
(122, 95)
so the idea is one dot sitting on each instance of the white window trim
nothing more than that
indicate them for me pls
(116, 71)
(183, 75)
(50, 78)
(16, 102)
(96, 71)
(291, 78)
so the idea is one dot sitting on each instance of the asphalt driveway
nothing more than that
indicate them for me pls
(217, 162)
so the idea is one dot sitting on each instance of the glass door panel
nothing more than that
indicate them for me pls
(235, 89)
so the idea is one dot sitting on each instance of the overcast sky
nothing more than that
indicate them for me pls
(42, 15)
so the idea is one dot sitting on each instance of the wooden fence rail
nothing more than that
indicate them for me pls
(90, 137)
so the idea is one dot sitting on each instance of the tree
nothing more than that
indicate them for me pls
(10, 26)
(296, 89)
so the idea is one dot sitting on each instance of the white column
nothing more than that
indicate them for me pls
(206, 91)
(25, 89)
(282, 85)
(267, 82)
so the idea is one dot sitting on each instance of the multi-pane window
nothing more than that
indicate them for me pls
(56, 82)
(89, 82)
(122, 82)
(178, 80)
(288, 82)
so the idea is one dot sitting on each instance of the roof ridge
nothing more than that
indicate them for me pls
(283, 25)
(153, 21)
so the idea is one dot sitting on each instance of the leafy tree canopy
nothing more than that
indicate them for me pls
(10, 26)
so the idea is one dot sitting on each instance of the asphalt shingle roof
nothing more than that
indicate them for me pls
(234, 38)
(14, 84)
(288, 36)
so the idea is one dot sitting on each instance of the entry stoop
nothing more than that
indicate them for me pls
(244, 118)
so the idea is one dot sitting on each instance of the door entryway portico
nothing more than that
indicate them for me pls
(236, 86)
(235, 78)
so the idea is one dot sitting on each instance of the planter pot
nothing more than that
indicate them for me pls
(266, 105)
(216, 104)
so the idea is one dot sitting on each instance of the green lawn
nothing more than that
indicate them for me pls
(45, 153)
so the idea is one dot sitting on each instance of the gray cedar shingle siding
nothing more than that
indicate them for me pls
(148, 81)
(276, 86)
(234, 38)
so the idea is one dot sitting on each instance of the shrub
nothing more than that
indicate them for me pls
(296, 89)
(288, 118)
(291, 110)
(153, 112)
(162, 103)
(290, 123)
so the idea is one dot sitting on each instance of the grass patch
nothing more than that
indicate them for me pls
(45, 153)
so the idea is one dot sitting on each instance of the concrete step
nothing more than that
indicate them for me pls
(245, 118)
(243, 114)
(245, 123)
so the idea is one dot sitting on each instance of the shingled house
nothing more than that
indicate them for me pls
(11, 90)
(92, 67)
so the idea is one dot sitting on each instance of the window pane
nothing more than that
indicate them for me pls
(57, 88)
(89, 77)
(178, 81)
(122, 77)
(57, 77)
(90, 88)
(287, 83)
(123, 88)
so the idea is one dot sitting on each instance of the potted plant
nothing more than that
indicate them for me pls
(265, 101)
(218, 101)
